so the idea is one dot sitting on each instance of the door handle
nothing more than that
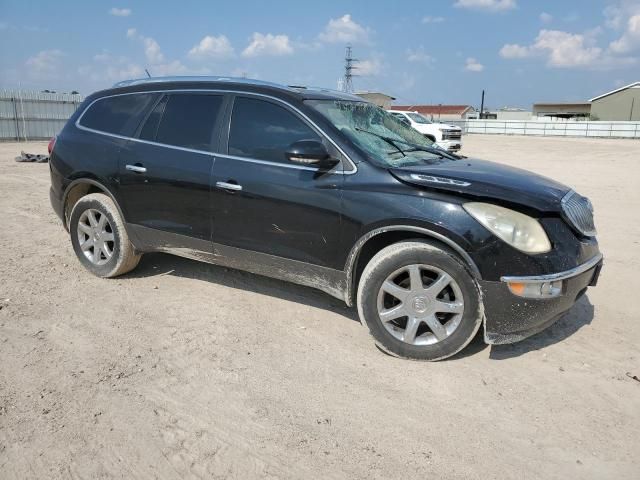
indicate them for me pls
(136, 168)
(229, 186)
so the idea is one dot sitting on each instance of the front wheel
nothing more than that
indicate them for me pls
(419, 301)
(99, 238)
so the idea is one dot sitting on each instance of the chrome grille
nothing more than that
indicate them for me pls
(451, 134)
(578, 212)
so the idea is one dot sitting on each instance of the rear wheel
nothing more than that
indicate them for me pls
(419, 301)
(99, 238)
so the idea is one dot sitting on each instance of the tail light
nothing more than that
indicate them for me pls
(52, 143)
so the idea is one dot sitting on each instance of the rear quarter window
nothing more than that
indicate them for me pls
(119, 115)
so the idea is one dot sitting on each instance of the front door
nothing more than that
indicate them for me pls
(165, 173)
(263, 203)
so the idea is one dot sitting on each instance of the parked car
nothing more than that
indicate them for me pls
(443, 135)
(322, 189)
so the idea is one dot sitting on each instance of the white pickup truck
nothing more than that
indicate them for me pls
(448, 137)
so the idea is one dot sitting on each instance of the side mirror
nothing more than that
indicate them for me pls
(311, 153)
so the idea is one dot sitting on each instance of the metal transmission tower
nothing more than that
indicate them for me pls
(349, 67)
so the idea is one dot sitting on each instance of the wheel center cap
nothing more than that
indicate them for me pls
(420, 304)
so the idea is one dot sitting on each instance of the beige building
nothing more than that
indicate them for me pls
(380, 99)
(562, 110)
(621, 104)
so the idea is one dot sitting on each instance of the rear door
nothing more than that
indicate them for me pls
(164, 173)
(263, 203)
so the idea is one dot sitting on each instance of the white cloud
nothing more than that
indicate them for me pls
(546, 17)
(472, 65)
(419, 56)
(125, 72)
(212, 47)
(45, 62)
(152, 50)
(566, 49)
(512, 50)
(369, 67)
(489, 5)
(562, 49)
(630, 39)
(174, 67)
(268, 44)
(430, 19)
(616, 15)
(574, 50)
(120, 12)
(344, 30)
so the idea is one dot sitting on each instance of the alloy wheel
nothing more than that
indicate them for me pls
(95, 236)
(420, 304)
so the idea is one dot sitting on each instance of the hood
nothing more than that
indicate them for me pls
(486, 180)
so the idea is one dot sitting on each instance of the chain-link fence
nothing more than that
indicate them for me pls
(27, 115)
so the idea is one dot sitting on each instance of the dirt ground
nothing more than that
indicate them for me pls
(187, 370)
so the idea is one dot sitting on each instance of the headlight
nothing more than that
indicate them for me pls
(518, 230)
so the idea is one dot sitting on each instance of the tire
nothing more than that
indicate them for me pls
(416, 273)
(99, 238)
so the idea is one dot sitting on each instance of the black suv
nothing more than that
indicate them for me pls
(322, 189)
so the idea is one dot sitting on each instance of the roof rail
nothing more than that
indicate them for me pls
(201, 78)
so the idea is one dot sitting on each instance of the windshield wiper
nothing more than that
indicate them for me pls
(389, 140)
(414, 146)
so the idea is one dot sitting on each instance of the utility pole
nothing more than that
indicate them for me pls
(481, 105)
(347, 83)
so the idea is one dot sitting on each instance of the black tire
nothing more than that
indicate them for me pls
(403, 254)
(124, 258)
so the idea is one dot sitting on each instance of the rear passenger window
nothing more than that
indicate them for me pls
(263, 130)
(150, 128)
(187, 121)
(120, 115)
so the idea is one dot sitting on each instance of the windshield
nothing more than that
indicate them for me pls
(380, 134)
(416, 117)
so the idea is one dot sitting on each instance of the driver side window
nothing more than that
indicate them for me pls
(263, 130)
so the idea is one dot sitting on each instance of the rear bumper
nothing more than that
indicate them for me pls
(510, 318)
(56, 204)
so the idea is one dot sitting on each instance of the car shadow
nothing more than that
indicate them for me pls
(159, 264)
(578, 316)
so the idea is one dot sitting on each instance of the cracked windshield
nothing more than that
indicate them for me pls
(382, 136)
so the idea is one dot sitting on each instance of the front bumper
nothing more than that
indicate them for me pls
(450, 145)
(510, 318)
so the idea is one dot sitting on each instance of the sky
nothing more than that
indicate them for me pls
(421, 52)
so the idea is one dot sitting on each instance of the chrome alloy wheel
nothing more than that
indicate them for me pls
(420, 304)
(95, 236)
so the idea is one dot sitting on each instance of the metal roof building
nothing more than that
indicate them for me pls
(620, 104)
(380, 99)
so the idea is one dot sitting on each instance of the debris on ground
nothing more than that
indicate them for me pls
(633, 377)
(32, 157)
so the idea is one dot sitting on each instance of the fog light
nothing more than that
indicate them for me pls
(536, 289)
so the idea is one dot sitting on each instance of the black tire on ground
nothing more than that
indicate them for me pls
(402, 254)
(124, 258)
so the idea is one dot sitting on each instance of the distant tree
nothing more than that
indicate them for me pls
(594, 117)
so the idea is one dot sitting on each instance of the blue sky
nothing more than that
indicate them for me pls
(438, 51)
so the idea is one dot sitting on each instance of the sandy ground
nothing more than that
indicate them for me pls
(187, 370)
